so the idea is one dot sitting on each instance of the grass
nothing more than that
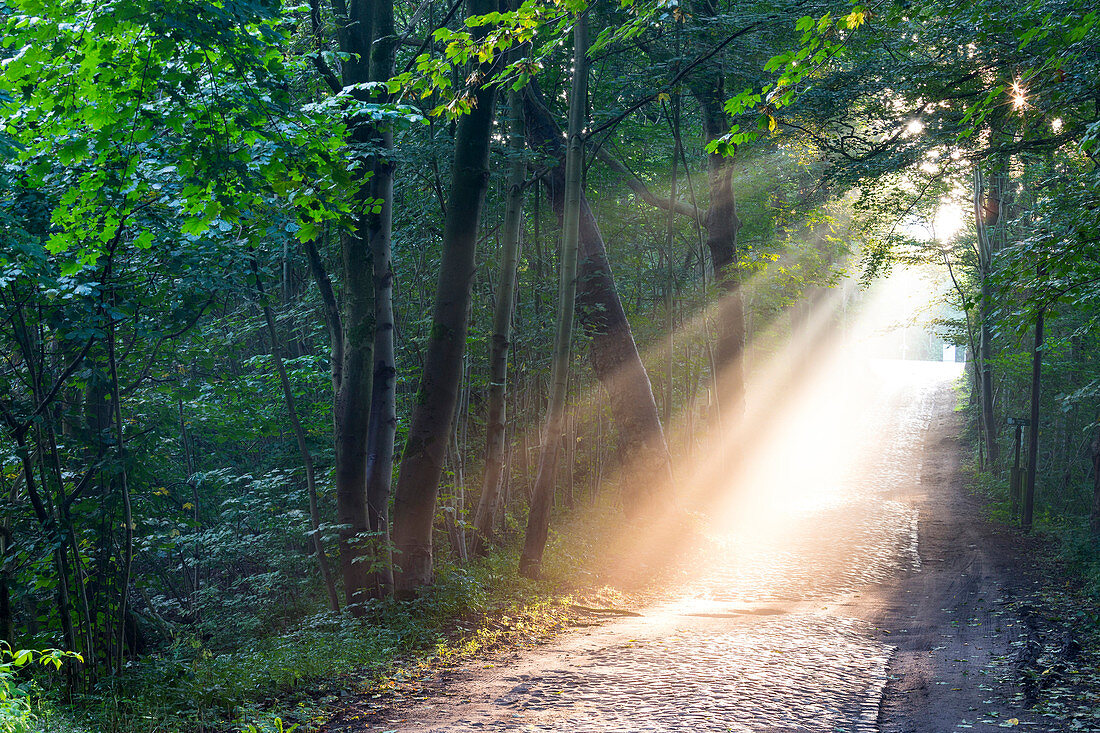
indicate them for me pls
(298, 677)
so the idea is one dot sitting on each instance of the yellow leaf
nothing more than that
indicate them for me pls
(188, 505)
(1013, 721)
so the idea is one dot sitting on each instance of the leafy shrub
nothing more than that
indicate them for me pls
(16, 710)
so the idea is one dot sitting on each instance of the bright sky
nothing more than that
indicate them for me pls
(949, 221)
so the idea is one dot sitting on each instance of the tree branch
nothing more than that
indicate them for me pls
(640, 190)
(638, 104)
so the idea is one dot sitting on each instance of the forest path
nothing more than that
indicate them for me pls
(858, 595)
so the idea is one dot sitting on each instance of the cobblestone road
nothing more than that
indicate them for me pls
(756, 642)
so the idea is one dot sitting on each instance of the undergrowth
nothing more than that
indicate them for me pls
(296, 678)
(1058, 660)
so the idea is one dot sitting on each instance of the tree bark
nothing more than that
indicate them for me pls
(361, 426)
(722, 225)
(422, 459)
(538, 521)
(641, 444)
(382, 426)
(985, 317)
(1094, 516)
(488, 506)
(1033, 429)
(351, 412)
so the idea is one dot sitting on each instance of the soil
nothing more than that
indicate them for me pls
(955, 625)
(890, 608)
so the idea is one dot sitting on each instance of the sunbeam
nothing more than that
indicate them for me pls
(755, 482)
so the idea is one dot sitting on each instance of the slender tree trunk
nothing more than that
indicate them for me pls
(977, 386)
(452, 513)
(127, 514)
(488, 506)
(303, 446)
(7, 616)
(722, 225)
(47, 522)
(1094, 516)
(538, 521)
(985, 317)
(571, 456)
(366, 34)
(641, 445)
(430, 426)
(383, 407)
(670, 279)
(1033, 429)
(330, 310)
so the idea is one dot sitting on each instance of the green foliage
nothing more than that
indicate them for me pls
(271, 724)
(817, 49)
(195, 681)
(154, 153)
(130, 120)
(16, 708)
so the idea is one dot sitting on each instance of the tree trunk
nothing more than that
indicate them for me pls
(127, 512)
(723, 225)
(538, 521)
(349, 426)
(7, 618)
(977, 386)
(382, 426)
(351, 412)
(1033, 429)
(615, 361)
(430, 425)
(985, 317)
(488, 506)
(670, 272)
(49, 524)
(1094, 516)
(366, 309)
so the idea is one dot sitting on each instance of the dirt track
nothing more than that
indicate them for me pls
(953, 626)
(875, 603)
